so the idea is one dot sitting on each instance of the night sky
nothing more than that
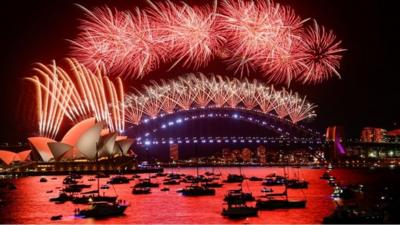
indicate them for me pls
(367, 94)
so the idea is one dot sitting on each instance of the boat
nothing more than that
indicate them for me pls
(279, 200)
(196, 190)
(332, 181)
(238, 195)
(101, 205)
(136, 176)
(54, 178)
(160, 174)
(141, 190)
(104, 186)
(92, 179)
(171, 182)
(213, 184)
(325, 176)
(266, 190)
(43, 179)
(75, 187)
(57, 217)
(92, 196)
(164, 189)
(254, 178)
(274, 181)
(62, 197)
(296, 184)
(344, 192)
(146, 183)
(118, 180)
(234, 178)
(49, 191)
(353, 214)
(69, 180)
(102, 210)
(239, 210)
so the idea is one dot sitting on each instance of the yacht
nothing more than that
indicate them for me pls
(146, 183)
(234, 178)
(279, 201)
(296, 184)
(196, 190)
(171, 182)
(238, 195)
(141, 190)
(274, 181)
(239, 209)
(118, 180)
(102, 210)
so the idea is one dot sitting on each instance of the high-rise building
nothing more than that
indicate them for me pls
(373, 134)
(246, 155)
(237, 155)
(227, 155)
(174, 152)
(334, 133)
(261, 154)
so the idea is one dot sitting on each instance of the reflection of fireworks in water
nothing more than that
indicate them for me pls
(77, 95)
(197, 90)
(249, 35)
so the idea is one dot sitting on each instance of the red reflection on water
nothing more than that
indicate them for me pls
(30, 202)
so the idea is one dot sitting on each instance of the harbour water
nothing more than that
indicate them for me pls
(29, 203)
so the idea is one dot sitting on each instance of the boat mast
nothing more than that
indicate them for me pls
(97, 168)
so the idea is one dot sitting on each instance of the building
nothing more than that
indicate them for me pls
(227, 155)
(174, 152)
(237, 155)
(373, 134)
(334, 133)
(246, 155)
(261, 154)
(86, 140)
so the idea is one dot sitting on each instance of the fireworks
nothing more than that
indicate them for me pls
(76, 95)
(257, 35)
(197, 90)
(321, 54)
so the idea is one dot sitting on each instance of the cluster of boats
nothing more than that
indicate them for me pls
(101, 205)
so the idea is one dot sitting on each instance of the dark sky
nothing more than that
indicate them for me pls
(367, 94)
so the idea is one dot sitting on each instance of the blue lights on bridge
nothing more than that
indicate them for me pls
(227, 140)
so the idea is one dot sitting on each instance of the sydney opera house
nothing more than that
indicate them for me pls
(87, 141)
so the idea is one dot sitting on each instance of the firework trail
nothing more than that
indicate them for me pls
(77, 94)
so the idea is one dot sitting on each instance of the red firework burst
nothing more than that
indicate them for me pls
(320, 54)
(121, 40)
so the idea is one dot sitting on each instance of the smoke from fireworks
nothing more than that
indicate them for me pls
(197, 90)
(76, 95)
(257, 35)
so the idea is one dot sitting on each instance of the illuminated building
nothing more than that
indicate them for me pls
(174, 152)
(227, 155)
(372, 134)
(246, 155)
(261, 154)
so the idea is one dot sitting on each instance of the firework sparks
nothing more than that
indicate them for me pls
(321, 54)
(76, 95)
(201, 91)
(255, 35)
